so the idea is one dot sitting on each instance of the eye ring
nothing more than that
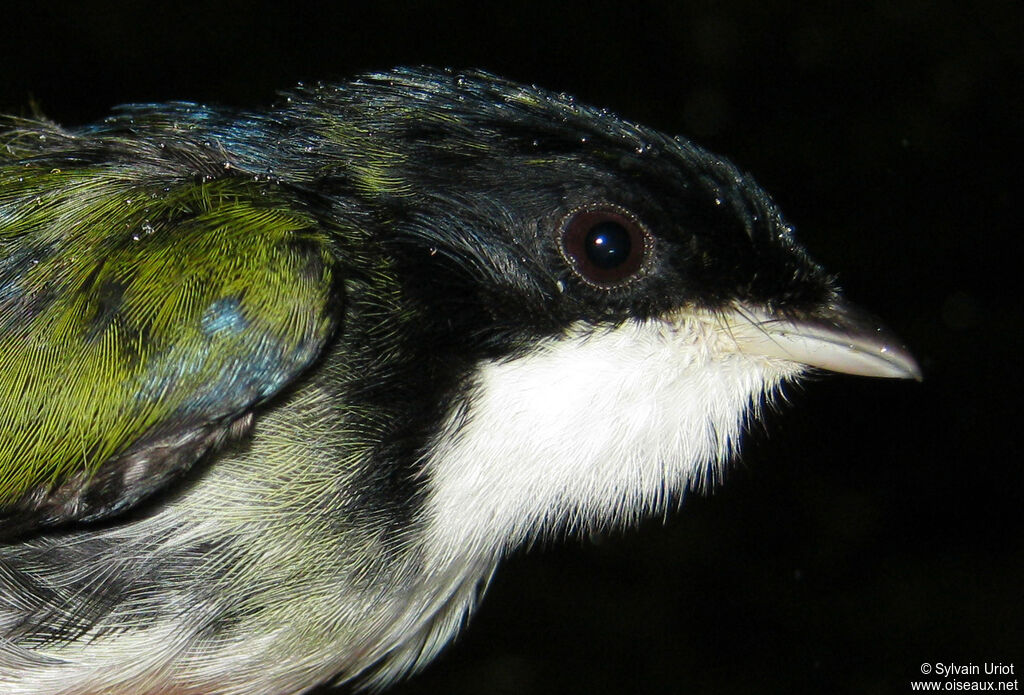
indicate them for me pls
(606, 246)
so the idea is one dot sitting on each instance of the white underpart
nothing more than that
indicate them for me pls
(599, 427)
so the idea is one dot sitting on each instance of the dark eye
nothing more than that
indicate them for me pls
(606, 247)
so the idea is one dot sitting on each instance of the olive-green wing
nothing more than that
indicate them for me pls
(141, 321)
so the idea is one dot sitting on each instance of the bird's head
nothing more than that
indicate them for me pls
(612, 301)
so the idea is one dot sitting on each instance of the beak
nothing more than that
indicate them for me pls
(845, 339)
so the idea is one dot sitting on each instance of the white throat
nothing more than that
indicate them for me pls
(596, 428)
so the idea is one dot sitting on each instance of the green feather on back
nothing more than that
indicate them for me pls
(140, 317)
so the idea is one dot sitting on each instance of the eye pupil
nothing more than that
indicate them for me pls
(607, 245)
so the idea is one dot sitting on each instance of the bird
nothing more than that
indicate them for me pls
(281, 387)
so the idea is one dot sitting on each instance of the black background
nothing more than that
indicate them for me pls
(871, 527)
